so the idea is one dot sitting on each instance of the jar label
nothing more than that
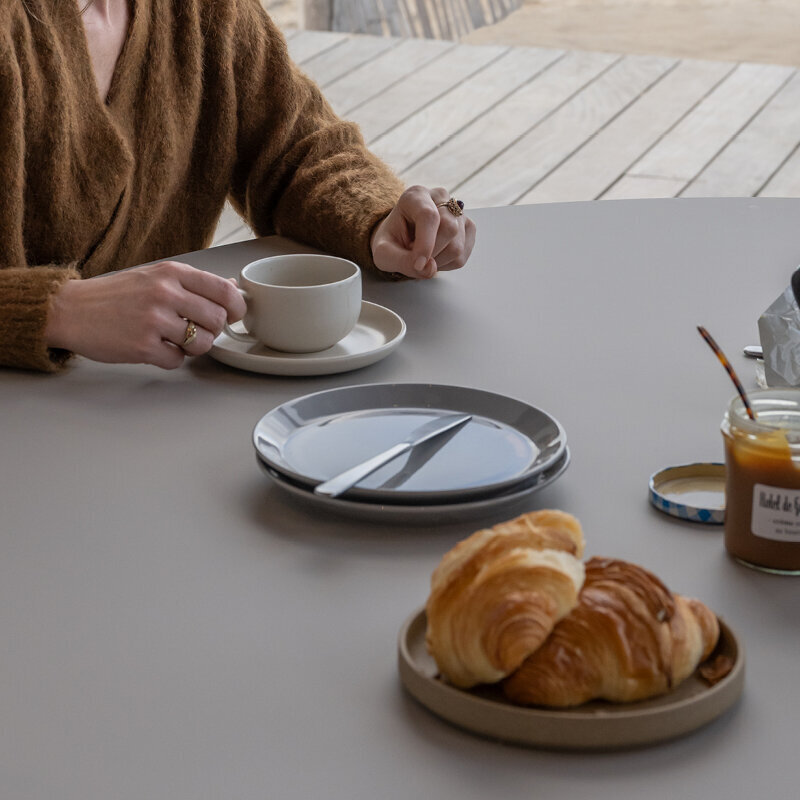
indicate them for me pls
(776, 513)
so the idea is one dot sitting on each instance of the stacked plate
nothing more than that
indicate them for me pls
(507, 451)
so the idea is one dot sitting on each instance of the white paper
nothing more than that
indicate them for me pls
(779, 330)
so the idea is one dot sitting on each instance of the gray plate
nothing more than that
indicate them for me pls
(412, 513)
(315, 437)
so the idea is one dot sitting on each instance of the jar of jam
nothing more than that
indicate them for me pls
(762, 481)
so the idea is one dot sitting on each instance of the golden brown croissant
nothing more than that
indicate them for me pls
(627, 639)
(496, 595)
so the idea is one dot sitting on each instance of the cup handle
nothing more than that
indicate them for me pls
(240, 337)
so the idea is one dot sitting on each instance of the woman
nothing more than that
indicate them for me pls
(125, 125)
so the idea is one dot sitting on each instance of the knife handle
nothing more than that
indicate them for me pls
(342, 482)
(754, 351)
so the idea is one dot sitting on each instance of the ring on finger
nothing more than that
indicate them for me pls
(190, 335)
(455, 207)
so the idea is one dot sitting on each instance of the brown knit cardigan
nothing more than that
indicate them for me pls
(204, 105)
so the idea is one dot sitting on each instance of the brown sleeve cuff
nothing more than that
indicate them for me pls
(24, 304)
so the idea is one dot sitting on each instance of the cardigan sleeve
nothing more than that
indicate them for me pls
(24, 302)
(25, 290)
(301, 171)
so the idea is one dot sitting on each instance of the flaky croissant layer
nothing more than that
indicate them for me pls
(496, 595)
(628, 638)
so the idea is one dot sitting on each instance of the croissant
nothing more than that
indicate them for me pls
(496, 595)
(627, 639)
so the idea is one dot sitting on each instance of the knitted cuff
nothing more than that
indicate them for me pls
(24, 304)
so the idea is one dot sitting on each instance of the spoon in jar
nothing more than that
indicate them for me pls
(729, 369)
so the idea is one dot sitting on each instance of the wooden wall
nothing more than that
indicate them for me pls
(429, 19)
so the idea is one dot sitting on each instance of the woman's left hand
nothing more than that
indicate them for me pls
(421, 236)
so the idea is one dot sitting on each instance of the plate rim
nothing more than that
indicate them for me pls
(374, 495)
(319, 364)
(630, 723)
(408, 513)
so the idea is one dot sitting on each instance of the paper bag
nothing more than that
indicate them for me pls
(779, 331)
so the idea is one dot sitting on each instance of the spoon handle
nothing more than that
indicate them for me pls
(754, 351)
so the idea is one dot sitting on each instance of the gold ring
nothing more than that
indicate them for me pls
(455, 207)
(190, 335)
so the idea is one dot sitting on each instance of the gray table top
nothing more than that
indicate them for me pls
(176, 627)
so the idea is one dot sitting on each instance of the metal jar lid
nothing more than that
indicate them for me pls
(694, 492)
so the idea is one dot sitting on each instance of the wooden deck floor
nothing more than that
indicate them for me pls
(502, 125)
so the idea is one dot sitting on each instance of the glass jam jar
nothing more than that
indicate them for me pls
(762, 481)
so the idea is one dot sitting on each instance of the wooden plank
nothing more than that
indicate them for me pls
(418, 18)
(429, 9)
(459, 16)
(316, 15)
(377, 76)
(607, 156)
(478, 15)
(748, 162)
(484, 139)
(229, 223)
(786, 181)
(240, 234)
(375, 15)
(453, 18)
(513, 173)
(403, 99)
(308, 44)
(396, 20)
(348, 17)
(472, 97)
(333, 63)
(444, 22)
(501, 125)
(696, 140)
(632, 187)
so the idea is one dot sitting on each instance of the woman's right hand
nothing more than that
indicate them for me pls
(141, 315)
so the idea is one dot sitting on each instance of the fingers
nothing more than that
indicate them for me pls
(206, 285)
(201, 298)
(417, 205)
(450, 234)
(206, 314)
(447, 231)
(180, 330)
(167, 356)
(457, 251)
(421, 235)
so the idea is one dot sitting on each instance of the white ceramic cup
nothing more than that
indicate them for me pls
(299, 303)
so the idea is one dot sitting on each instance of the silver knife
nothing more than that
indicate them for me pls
(350, 477)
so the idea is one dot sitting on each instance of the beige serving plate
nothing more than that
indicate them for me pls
(593, 726)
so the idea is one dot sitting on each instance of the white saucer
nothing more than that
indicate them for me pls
(377, 333)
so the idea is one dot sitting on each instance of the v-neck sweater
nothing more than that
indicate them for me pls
(204, 105)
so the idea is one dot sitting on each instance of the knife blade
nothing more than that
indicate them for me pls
(424, 433)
